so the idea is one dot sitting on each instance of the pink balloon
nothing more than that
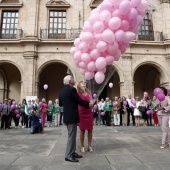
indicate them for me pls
(82, 65)
(50, 104)
(106, 6)
(129, 36)
(122, 48)
(168, 89)
(87, 37)
(143, 6)
(93, 18)
(13, 106)
(119, 36)
(83, 46)
(14, 103)
(157, 91)
(95, 107)
(91, 66)
(109, 59)
(102, 70)
(31, 106)
(85, 57)
(91, 46)
(112, 49)
(77, 56)
(110, 85)
(22, 110)
(40, 104)
(96, 10)
(16, 111)
(161, 97)
(1, 105)
(99, 77)
(17, 116)
(98, 27)
(114, 23)
(145, 94)
(94, 95)
(108, 36)
(135, 3)
(124, 103)
(89, 75)
(133, 13)
(77, 41)
(116, 2)
(94, 54)
(105, 16)
(125, 25)
(124, 7)
(117, 55)
(73, 50)
(116, 13)
(82, 71)
(148, 112)
(102, 113)
(87, 26)
(115, 104)
(101, 46)
(100, 63)
(151, 112)
(45, 86)
(98, 37)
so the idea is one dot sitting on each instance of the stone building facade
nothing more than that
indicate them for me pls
(36, 37)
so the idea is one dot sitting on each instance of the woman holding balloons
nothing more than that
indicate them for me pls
(163, 108)
(86, 117)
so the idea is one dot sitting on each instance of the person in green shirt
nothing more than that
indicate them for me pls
(49, 113)
(56, 112)
(27, 113)
(108, 111)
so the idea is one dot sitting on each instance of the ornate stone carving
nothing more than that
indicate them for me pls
(10, 3)
(95, 3)
(59, 3)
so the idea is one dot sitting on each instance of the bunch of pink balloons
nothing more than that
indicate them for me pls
(159, 94)
(106, 35)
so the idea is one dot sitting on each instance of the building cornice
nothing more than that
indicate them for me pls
(11, 5)
(165, 1)
(127, 56)
(58, 4)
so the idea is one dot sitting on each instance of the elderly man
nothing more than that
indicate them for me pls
(5, 114)
(70, 100)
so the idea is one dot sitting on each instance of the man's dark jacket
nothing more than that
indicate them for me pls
(70, 100)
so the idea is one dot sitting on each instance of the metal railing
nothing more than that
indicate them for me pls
(72, 33)
(150, 36)
(11, 33)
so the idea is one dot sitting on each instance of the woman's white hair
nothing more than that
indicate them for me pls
(67, 79)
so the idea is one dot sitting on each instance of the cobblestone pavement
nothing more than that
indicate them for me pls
(115, 148)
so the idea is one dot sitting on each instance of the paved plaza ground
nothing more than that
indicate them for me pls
(115, 148)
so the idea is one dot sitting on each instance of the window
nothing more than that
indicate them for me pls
(57, 24)
(9, 24)
(146, 29)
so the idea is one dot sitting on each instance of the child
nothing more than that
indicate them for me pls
(36, 126)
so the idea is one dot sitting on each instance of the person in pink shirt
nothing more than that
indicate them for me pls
(86, 117)
(43, 110)
(163, 111)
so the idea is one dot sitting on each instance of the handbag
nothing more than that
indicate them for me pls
(142, 108)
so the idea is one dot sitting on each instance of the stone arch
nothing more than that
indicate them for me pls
(13, 63)
(158, 66)
(51, 62)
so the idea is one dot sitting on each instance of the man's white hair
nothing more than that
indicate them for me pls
(67, 79)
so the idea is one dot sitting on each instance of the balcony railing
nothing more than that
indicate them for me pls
(60, 33)
(150, 36)
(11, 33)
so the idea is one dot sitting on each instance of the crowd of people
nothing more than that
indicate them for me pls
(78, 107)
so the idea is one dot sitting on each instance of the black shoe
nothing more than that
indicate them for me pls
(76, 155)
(71, 159)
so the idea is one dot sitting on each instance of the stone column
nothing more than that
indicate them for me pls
(165, 4)
(28, 84)
(127, 87)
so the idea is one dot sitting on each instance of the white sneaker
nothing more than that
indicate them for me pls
(23, 126)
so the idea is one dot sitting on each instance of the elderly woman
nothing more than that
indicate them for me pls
(56, 112)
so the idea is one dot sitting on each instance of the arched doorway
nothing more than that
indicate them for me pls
(115, 90)
(146, 78)
(52, 74)
(10, 82)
